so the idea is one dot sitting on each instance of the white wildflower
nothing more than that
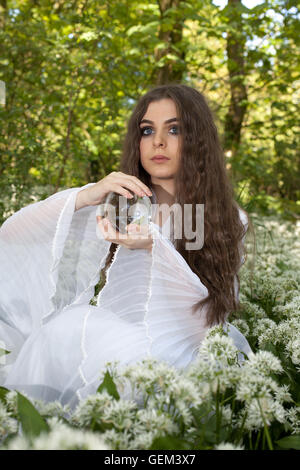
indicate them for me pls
(117, 440)
(150, 373)
(91, 408)
(150, 420)
(227, 414)
(11, 399)
(253, 385)
(207, 376)
(228, 446)
(151, 378)
(142, 441)
(262, 325)
(266, 286)
(264, 362)
(50, 409)
(120, 413)
(18, 443)
(293, 417)
(219, 349)
(184, 389)
(262, 410)
(183, 410)
(293, 347)
(61, 437)
(282, 394)
(288, 329)
(8, 425)
(200, 371)
(290, 309)
(254, 311)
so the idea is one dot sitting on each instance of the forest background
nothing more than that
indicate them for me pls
(71, 72)
(70, 75)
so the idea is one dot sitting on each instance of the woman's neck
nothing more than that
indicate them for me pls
(164, 193)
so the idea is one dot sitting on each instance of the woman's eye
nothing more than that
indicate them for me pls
(176, 128)
(145, 128)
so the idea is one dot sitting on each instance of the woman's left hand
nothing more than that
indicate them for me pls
(137, 236)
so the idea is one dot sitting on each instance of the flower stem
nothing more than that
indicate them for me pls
(218, 420)
(250, 440)
(257, 440)
(266, 431)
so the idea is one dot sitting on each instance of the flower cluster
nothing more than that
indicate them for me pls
(219, 402)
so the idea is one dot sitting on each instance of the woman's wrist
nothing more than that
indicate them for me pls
(80, 202)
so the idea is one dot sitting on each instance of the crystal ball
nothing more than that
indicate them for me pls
(122, 211)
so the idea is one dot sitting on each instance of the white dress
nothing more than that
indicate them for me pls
(50, 258)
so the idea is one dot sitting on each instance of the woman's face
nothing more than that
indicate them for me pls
(160, 137)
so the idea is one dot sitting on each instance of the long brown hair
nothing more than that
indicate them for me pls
(202, 179)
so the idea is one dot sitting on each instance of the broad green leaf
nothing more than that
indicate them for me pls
(289, 442)
(32, 422)
(3, 393)
(109, 385)
(169, 443)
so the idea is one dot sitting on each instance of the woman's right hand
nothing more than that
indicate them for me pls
(117, 182)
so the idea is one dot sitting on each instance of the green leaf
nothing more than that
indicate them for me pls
(289, 442)
(32, 422)
(133, 29)
(3, 352)
(169, 443)
(3, 393)
(109, 385)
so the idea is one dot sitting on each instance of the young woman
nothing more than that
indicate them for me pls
(159, 297)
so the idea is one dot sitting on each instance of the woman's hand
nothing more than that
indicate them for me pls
(137, 236)
(117, 182)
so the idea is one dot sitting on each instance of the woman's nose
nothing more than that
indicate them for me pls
(158, 140)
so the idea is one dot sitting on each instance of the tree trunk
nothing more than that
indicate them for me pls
(171, 71)
(238, 93)
(3, 13)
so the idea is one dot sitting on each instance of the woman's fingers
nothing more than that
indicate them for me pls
(140, 231)
(107, 229)
(109, 232)
(122, 191)
(134, 231)
(136, 185)
(117, 182)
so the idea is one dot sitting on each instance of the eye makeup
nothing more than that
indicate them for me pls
(149, 127)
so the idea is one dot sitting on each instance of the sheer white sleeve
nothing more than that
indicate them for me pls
(50, 257)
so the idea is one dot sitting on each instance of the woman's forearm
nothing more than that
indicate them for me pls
(80, 202)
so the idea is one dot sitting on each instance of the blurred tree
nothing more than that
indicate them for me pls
(74, 69)
(235, 47)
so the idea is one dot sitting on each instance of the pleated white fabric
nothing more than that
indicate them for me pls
(51, 258)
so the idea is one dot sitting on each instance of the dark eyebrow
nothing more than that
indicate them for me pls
(166, 122)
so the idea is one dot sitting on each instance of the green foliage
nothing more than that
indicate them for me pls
(3, 352)
(290, 442)
(215, 403)
(109, 385)
(73, 72)
(169, 443)
(3, 393)
(30, 419)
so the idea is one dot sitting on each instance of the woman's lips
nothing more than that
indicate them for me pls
(160, 159)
